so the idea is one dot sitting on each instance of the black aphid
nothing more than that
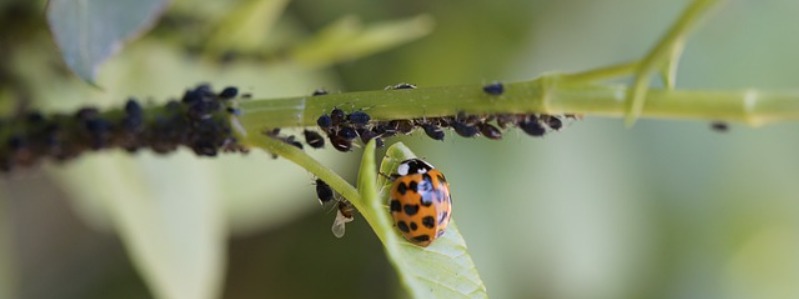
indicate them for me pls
(229, 93)
(314, 139)
(319, 92)
(358, 118)
(494, 88)
(433, 131)
(323, 191)
(489, 131)
(532, 126)
(337, 116)
(347, 133)
(325, 122)
(464, 130)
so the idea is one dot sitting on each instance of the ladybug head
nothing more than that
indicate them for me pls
(413, 166)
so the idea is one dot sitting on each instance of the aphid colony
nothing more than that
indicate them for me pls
(197, 121)
(342, 129)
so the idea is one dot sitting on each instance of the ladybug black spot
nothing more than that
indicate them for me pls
(414, 226)
(440, 195)
(396, 206)
(426, 199)
(427, 178)
(443, 217)
(429, 221)
(413, 186)
(411, 210)
(441, 178)
(403, 227)
(402, 188)
(421, 238)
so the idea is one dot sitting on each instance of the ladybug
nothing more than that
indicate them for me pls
(420, 201)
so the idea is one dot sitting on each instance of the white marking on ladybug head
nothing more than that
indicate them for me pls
(403, 168)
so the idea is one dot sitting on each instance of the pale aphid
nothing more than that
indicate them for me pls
(343, 216)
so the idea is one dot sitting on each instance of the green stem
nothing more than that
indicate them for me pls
(603, 73)
(305, 161)
(660, 54)
(548, 95)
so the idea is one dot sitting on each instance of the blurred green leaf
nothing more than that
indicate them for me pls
(89, 31)
(247, 26)
(442, 270)
(174, 212)
(347, 39)
(167, 213)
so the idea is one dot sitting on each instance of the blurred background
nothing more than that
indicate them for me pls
(665, 209)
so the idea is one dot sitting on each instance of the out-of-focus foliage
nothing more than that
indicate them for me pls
(90, 31)
(666, 209)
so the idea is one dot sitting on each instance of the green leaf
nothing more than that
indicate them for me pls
(90, 31)
(247, 26)
(442, 270)
(347, 39)
(167, 213)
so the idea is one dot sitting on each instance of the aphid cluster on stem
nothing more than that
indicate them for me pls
(342, 128)
(198, 121)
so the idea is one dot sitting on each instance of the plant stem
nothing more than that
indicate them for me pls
(305, 161)
(659, 55)
(603, 73)
(547, 95)
(366, 205)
